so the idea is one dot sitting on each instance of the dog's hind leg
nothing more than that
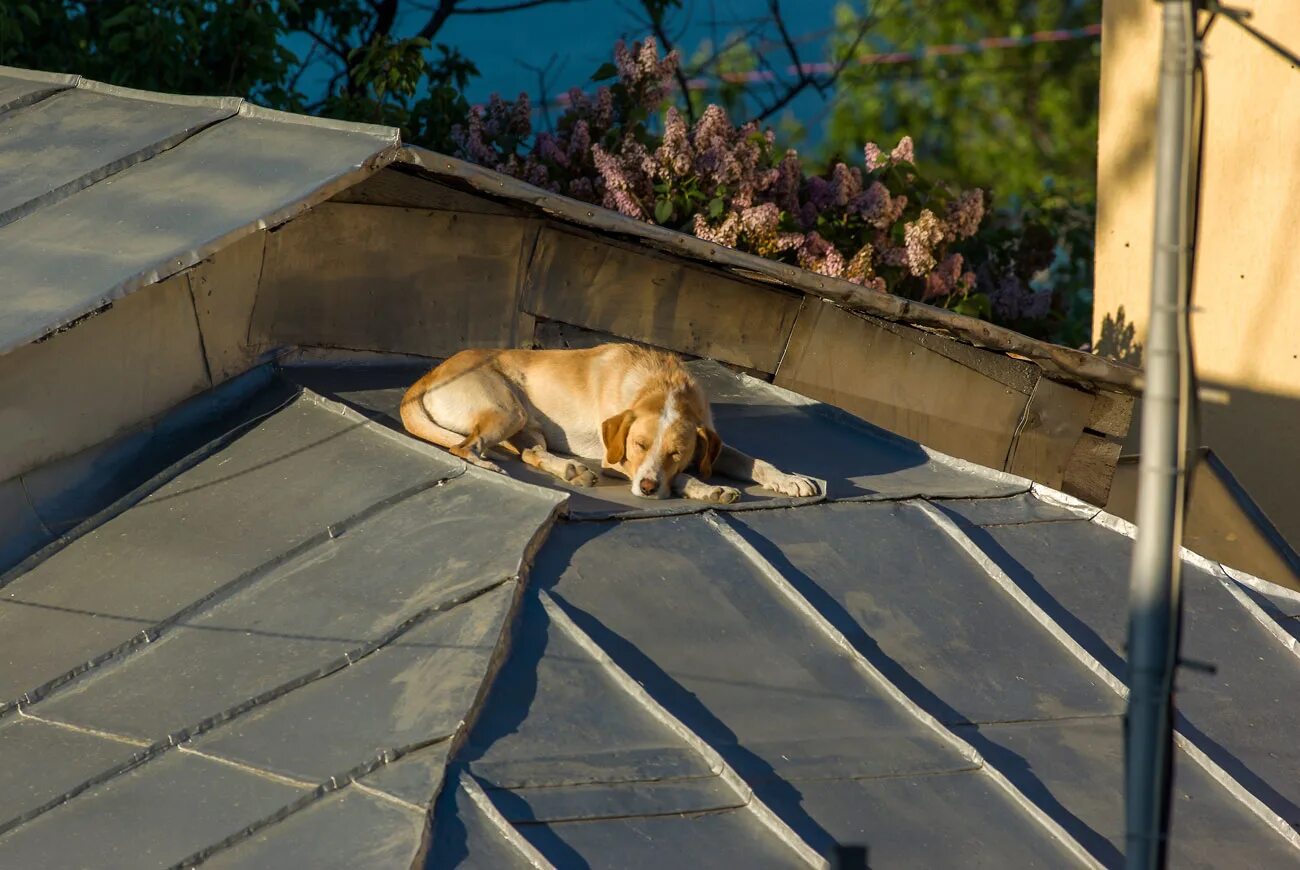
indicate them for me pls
(487, 429)
(532, 450)
(465, 407)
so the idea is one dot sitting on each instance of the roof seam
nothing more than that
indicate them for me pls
(177, 738)
(335, 783)
(160, 628)
(35, 97)
(764, 814)
(1261, 810)
(823, 625)
(526, 850)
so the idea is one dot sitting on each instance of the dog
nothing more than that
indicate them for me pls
(638, 408)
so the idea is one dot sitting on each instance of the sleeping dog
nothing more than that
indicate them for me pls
(637, 408)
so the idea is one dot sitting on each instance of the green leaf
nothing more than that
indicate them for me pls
(605, 72)
(30, 13)
(663, 211)
(715, 207)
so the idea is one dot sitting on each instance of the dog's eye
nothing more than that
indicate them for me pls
(641, 445)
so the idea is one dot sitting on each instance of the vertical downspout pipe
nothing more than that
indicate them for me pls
(1155, 597)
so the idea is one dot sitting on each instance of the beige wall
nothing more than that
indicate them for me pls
(1247, 280)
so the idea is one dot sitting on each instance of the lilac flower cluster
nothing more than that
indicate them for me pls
(876, 225)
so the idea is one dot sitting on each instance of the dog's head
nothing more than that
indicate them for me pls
(659, 437)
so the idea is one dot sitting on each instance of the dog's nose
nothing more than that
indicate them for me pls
(649, 486)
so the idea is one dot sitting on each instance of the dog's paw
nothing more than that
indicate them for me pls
(718, 494)
(792, 485)
(579, 475)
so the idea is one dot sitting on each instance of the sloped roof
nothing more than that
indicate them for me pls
(315, 640)
(108, 200)
(104, 190)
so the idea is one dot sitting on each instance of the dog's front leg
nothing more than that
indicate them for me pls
(734, 464)
(692, 487)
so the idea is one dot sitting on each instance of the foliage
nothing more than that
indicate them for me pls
(1005, 120)
(179, 46)
(1034, 264)
(882, 225)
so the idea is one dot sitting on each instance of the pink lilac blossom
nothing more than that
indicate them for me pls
(903, 151)
(618, 187)
(725, 233)
(873, 157)
(769, 206)
(965, 214)
(860, 268)
(922, 236)
(674, 152)
(846, 183)
(944, 279)
(820, 256)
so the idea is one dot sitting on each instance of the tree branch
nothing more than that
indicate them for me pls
(439, 17)
(657, 24)
(510, 7)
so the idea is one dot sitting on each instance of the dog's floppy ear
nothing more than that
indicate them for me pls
(614, 433)
(707, 448)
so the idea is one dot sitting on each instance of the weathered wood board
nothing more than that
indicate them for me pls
(368, 277)
(617, 289)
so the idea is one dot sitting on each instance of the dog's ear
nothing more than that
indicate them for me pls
(614, 433)
(707, 449)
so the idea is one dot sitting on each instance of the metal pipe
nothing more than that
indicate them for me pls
(1155, 597)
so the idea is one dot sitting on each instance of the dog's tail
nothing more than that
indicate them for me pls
(417, 421)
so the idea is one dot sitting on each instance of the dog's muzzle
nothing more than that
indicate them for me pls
(649, 486)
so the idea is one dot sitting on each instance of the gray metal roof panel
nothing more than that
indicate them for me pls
(345, 830)
(1079, 764)
(157, 217)
(77, 137)
(415, 777)
(466, 835)
(615, 801)
(413, 691)
(853, 459)
(555, 717)
(1236, 714)
(713, 642)
(45, 761)
(950, 638)
(954, 820)
(726, 840)
(154, 815)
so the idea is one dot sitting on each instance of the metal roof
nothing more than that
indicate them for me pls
(314, 640)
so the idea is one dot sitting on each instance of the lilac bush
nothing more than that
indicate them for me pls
(881, 225)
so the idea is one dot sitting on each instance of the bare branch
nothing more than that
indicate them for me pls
(656, 23)
(439, 17)
(510, 7)
(324, 43)
(805, 80)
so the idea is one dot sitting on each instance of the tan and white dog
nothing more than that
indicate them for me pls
(637, 408)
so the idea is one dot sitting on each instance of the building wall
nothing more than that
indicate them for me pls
(1247, 279)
